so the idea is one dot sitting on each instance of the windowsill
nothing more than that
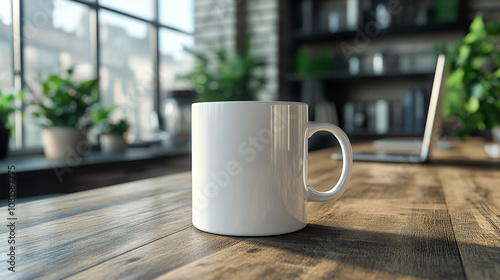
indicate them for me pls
(35, 176)
(38, 162)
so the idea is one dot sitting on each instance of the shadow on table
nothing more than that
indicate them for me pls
(396, 254)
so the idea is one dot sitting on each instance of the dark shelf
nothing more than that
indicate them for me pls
(35, 175)
(345, 76)
(323, 36)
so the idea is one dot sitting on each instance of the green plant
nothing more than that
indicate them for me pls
(8, 106)
(224, 76)
(446, 10)
(102, 123)
(474, 82)
(320, 62)
(65, 102)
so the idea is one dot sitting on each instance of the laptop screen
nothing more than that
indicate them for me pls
(434, 115)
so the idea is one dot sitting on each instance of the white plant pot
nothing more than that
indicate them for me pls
(493, 149)
(64, 143)
(113, 143)
(495, 134)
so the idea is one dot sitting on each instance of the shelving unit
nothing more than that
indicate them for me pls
(343, 76)
(338, 86)
(325, 36)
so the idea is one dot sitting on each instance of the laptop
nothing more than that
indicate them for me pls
(432, 125)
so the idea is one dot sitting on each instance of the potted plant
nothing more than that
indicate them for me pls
(474, 83)
(111, 134)
(220, 75)
(61, 112)
(7, 107)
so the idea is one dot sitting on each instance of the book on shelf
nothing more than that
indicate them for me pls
(382, 112)
(419, 107)
(406, 116)
(415, 105)
(349, 117)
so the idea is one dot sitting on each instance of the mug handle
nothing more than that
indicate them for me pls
(345, 145)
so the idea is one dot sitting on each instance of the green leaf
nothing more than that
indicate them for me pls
(480, 125)
(496, 74)
(493, 28)
(478, 62)
(472, 105)
(464, 53)
(477, 26)
(7, 107)
(470, 38)
(456, 78)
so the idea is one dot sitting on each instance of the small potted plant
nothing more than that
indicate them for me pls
(7, 107)
(111, 134)
(220, 75)
(61, 112)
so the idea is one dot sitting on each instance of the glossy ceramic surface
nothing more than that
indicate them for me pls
(250, 167)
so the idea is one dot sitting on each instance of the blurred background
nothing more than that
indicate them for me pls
(366, 65)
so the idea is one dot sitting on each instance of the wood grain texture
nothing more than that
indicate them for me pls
(473, 199)
(57, 237)
(403, 221)
(471, 150)
(374, 231)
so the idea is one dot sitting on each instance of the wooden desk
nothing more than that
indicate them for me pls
(394, 221)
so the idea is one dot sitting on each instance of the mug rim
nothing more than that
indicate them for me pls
(249, 102)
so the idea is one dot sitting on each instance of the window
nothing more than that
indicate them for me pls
(127, 70)
(123, 44)
(56, 37)
(6, 62)
(177, 14)
(143, 9)
(6, 77)
(174, 60)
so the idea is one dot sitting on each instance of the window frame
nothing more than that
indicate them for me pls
(94, 9)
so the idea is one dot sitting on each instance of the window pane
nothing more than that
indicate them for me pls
(127, 71)
(56, 37)
(5, 45)
(174, 60)
(6, 71)
(143, 9)
(178, 14)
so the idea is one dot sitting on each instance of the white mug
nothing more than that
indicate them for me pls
(250, 167)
